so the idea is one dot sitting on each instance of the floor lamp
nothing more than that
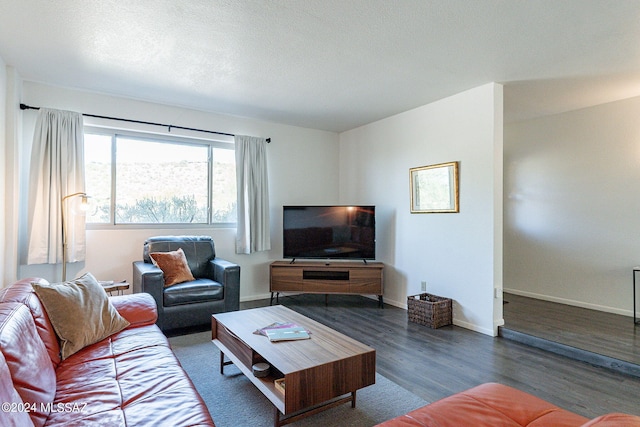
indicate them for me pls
(83, 205)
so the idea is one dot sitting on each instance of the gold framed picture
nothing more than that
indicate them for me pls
(434, 188)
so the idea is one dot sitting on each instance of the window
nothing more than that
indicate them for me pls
(141, 179)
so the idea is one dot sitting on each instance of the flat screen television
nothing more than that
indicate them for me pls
(329, 232)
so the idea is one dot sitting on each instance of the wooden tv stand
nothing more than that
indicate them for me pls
(327, 277)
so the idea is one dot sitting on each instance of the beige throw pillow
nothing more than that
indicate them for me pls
(80, 312)
(174, 266)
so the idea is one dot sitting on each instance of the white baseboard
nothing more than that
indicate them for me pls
(473, 327)
(574, 303)
(399, 304)
(395, 303)
(373, 297)
(456, 322)
(256, 297)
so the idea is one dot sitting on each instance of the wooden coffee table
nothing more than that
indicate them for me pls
(319, 373)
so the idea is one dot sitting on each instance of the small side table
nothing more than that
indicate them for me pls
(635, 317)
(119, 287)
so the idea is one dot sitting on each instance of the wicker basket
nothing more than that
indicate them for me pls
(429, 310)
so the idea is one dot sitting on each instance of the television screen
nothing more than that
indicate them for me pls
(329, 232)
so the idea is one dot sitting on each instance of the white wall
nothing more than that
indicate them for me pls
(459, 255)
(303, 168)
(572, 205)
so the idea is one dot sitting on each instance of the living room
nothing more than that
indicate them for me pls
(547, 207)
(324, 159)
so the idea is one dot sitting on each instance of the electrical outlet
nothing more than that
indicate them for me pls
(423, 286)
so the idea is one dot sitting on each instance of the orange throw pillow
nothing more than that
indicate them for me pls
(173, 265)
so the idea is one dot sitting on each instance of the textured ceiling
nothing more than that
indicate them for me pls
(329, 64)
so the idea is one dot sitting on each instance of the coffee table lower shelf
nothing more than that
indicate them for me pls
(265, 385)
(268, 389)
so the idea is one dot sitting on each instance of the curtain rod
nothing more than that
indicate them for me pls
(28, 107)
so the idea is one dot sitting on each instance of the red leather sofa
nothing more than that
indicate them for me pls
(131, 378)
(497, 405)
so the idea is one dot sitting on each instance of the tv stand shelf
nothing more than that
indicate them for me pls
(352, 278)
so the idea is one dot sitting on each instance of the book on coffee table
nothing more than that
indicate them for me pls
(287, 334)
(276, 325)
(283, 331)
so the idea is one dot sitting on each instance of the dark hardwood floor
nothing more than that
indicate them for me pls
(603, 333)
(435, 363)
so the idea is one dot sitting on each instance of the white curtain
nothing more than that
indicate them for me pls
(57, 171)
(253, 233)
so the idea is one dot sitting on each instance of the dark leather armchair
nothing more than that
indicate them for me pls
(215, 290)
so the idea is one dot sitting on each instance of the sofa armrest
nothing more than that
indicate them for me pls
(489, 404)
(614, 420)
(138, 309)
(228, 274)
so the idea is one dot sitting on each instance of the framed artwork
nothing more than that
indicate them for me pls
(434, 189)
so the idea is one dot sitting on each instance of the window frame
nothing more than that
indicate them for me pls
(211, 144)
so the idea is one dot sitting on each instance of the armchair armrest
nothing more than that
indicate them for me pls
(228, 274)
(149, 278)
(138, 309)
